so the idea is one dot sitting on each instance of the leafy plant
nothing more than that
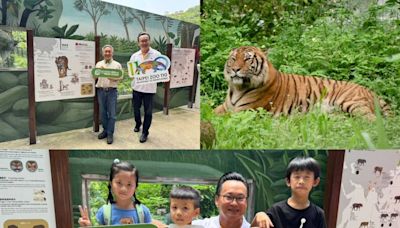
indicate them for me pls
(160, 44)
(62, 32)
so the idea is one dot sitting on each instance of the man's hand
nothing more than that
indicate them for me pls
(84, 219)
(262, 220)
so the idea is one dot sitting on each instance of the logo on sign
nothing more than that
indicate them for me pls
(150, 71)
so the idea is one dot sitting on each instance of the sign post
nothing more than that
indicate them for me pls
(31, 88)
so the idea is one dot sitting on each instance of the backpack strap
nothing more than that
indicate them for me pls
(140, 213)
(107, 213)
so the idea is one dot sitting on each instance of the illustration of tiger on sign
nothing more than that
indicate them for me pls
(254, 82)
(62, 66)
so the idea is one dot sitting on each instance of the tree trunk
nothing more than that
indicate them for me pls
(126, 31)
(24, 17)
(4, 12)
(95, 27)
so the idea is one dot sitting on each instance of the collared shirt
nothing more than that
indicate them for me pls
(213, 222)
(105, 82)
(138, 56)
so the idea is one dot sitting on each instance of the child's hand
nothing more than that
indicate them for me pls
(262, 220)
(84, 219)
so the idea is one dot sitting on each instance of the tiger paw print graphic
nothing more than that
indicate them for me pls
(86, 89)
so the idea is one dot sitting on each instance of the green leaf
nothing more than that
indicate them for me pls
(171, 35)
(71, 30)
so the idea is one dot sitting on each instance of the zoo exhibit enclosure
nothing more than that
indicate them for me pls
(43, 85)
(116, 25)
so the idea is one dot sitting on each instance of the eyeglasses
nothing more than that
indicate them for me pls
(230, 198)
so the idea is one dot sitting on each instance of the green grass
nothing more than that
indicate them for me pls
(316, 129)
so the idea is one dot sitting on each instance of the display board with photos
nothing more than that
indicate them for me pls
(63, 68)
(26, 191)
(182, 67)
(370, 189)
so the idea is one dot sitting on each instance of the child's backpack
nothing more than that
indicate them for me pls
(107, 213)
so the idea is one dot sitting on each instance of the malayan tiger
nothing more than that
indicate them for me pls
(62, 66)
(254, 83)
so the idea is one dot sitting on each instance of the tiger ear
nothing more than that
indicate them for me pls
(265, 51)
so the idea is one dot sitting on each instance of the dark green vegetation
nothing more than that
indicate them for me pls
(352, 40)
(153, 196)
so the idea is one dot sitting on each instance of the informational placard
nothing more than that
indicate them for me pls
(63, 68)
(370, 190)
(26, 191)
(149, 71)
(182, 67)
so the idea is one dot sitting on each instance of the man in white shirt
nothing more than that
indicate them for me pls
(107, 94)
(143, 93)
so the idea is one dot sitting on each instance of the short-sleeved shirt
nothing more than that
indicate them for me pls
(105, 82)
(285, 216)
(150, 55)
(213, 222)
(120, 216)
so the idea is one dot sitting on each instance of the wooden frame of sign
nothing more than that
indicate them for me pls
(61, 188)
(332, 187)
(167, 84)
(31, 89)
(192, 93)
(96, 114)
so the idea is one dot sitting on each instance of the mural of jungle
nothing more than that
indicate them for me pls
(77, 19)
(266, 169)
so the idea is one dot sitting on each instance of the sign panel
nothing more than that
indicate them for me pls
(370, 189)
(182, 67)
(26, 191)
(150, 71)
(106, 73)
(63, 68)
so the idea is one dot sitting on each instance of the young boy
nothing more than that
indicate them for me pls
(302, 174)
(184, 206)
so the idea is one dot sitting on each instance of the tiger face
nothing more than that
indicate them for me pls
(62, 66)
(246, 67)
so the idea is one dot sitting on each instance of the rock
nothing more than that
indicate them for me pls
(7, 132)
(21, 124)
(21, 107)
(207, 136)
(23, 78)
(48, 111)
(73, 115)
(9, 97)
(7, 80)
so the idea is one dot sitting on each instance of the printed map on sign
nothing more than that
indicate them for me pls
(63, 68)
(182, 67)
(149, 71)
(370, 190)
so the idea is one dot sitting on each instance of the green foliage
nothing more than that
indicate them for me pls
(154, 196)
(160, 44)
(268, 170)
(258, 130)
(191, 15)
(44, 12)
(309, 38)
(62, 32)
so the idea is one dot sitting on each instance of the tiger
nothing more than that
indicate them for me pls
(62, 66)
(253, 83)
